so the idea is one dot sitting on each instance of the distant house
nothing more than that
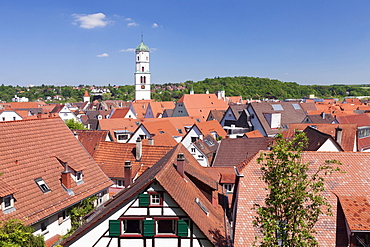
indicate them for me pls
(174, 203)
(156, 109)
(232, 114)
(45, 175)
(9, 115)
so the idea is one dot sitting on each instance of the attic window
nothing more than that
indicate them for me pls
(277, 107)
(161, 131)
(179, 130)
(137, 123)
(42, 185)
(198, 120)
(296, 107)
(209, 142)
(7, 204)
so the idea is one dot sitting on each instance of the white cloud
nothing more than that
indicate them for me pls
(91, 21)
(155, 25)
(127, 50)
(103, 55)
(131, 23)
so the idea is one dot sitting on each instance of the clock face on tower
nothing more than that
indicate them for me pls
(142, 87)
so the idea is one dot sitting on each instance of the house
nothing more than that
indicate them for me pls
(204, 150)
(122, 113)
(363, 128)
(45, 175)
(200, 130)
(232, 114)
(174, 203)
(344, 134)
(270, 118)
(198, 105)
(231, 152)
(320, 141)
(9, 115)
(320, 118)
(63, 112)
(216, 115)
(348, 194)
(156, 109)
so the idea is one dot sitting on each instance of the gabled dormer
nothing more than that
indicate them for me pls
(7, 200)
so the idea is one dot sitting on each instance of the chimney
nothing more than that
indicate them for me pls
(338, 135)
(66, 177)
(323, 115)
(139, 148)
(151, 141)
(128, 173)
(181, 164)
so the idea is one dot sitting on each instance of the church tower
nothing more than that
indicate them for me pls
(142, 74)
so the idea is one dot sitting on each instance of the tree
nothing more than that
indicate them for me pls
(295, 198)
(75, 125)
(13, 233)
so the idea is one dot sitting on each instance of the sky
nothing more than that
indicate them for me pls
(73, 42)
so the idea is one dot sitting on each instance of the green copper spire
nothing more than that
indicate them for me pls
(142, 46)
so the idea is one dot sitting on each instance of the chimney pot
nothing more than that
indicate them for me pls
(66, 177)
(127, 173)
(181, 164)
(139, 148)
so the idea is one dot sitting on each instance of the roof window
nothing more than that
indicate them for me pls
(296, 107)
(277, 107)
(42, 185)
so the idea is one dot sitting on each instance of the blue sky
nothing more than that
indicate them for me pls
(90, 42)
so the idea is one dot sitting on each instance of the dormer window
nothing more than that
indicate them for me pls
(7, 203)
(42, 185)
(79, 177)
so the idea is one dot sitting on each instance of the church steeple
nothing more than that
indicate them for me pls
(142, 74)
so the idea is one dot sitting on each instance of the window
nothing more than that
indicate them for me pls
(3, 118)
(166, 226)
(13, 118)
(63, 216)
(8, 202)
(193, 150)
(296, 106)
(42, 185)
(155, 199)
(194, 139)
(229, 188)
(119, 183)
(142, 137)
(363, 132)
(277, 107)
(142, 69)
(122, 137)
(132, 226)
(44, 226)
(78, 176)
(161, 131)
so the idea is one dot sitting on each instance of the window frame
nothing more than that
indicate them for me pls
(174, 221)
(42, 185)
(11, 202)
(123, 226)
(153, 194)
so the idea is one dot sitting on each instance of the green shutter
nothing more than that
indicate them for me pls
(114, 228)
(182, 228)
(144, 200)
(149, 228)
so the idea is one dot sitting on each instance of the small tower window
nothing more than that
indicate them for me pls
(144, 79)
(138, 58)
(142, 69)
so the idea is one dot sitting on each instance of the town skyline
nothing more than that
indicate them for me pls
(92, 43)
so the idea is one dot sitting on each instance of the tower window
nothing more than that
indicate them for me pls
(142, 69)
(144, 79)
(138, 58)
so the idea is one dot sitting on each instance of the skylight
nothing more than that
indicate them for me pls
(42, 185)
(277, 107)
(296, 106)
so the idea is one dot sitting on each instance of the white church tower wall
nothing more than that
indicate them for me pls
(142, 72)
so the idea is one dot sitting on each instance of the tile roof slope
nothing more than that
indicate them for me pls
(208, 145)
(140, 107)
(211, 126)
(349, 132)
(23, 164)
(217, 114)
(233, 151)
(182, 192)
(288, 115)
(159, 107)
(128, 124)
(308, 107)
(111, 157)
(353, 183)
(237, 109)
(201, 104)
(359, 119)
(161, 125)
(357, 212)
(222, 174)
(164, 139)
(90, 138)
(120, 112)
(253, 134)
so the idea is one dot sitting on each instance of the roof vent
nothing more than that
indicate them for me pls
(201, 205)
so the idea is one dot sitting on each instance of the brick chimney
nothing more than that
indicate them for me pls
(139, 148)
(151, 141)
(338, 135)
(181, 164)
(127, 169)
(66, 177)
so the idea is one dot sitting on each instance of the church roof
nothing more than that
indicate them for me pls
(142, 47)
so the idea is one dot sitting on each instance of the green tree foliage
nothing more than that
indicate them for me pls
(295, 198)
(75, 125)
(13, 233)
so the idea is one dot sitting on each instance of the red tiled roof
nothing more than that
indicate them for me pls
(159, 107)
(120, 112)
(211, 126)
(90, 138)
(354, 184)
(29, 152)
(111, 157)
(357, 212)
(253, 134)
(201, 104)
(164, 139)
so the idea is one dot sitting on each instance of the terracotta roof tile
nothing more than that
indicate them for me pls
(209, 127)
(357, 212)
(34, 157)
(159, 107)
(120, 112)
(253, 134)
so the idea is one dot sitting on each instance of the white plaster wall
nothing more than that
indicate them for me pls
(255, 122)
(193, 132)
(328, 146)
(9, 116)
(92, 236)
(228, 116)
(140, 131)
(166, 242)
(53, 227)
